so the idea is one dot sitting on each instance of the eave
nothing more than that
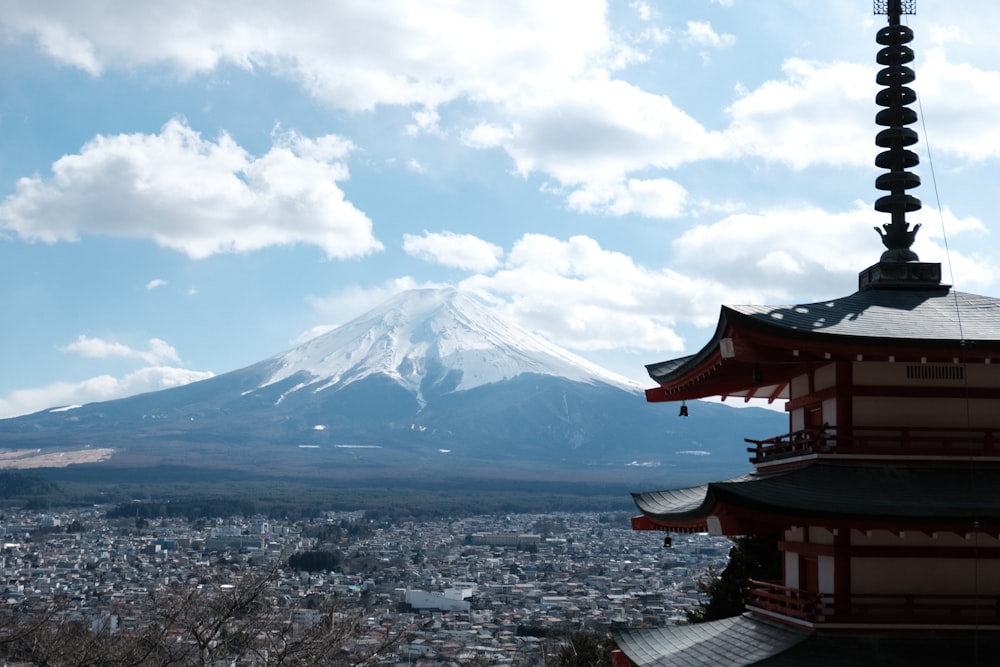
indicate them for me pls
(837, 495)
(751, 356)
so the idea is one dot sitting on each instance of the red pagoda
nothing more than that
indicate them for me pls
(886, 491)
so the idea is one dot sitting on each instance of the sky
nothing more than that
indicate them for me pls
(189, 188)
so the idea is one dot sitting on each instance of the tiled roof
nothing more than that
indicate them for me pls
(684, 503)
(897, 314)
(747, 640)
(741, 640)
(894, 320)
(831, 489)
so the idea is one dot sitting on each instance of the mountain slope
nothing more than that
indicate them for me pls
(431, 339)
(432, 380)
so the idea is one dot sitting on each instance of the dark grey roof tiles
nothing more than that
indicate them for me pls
(741, 640)
(748, 640)
(679, 503)
(824, 489)
(895, 314)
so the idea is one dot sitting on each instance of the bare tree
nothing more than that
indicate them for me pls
(196, 625)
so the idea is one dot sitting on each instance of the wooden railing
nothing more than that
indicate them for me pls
(916, 441)
(870, 609)
(774, 597)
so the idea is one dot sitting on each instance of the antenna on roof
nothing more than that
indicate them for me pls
(895, 117)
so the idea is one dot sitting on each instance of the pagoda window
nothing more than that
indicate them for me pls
(926, 372)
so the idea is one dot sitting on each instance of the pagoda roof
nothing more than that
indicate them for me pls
(918, 316)
(740, 640)
(923, 325)
(750, 640)
(864, 495)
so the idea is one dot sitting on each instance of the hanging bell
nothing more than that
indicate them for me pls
(684, 410)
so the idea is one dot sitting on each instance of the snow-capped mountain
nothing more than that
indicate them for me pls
(437, 336)
(432, 380)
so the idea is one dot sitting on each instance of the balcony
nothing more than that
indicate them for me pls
(930, 442)
(873, 609)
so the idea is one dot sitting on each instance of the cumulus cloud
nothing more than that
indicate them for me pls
(651, 198)
(352, 55)
(460, 251)
(535, 80)
(597, 132)
(961, 100)
(812, 250)
(157, 351)
(197, 196)
(100, 388)
(540, 76)
(155, 282)
(590, 298)
(794, 121)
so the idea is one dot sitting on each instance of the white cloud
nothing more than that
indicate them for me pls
(811, 250)
(155, 282)
(416, 167)
(460, 251)
(100, 388)
(353, 55)
(197, 196)
(960, 103)
(538, 75)
(819, 114)
(157, 351)
(701, 33)
(425, 121)
(313, 332)
(596, 132)
(652, 198)
(352, 300)
(536, 80)
(587, 298)
(642, 9)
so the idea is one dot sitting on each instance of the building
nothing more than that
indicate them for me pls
(885, 493)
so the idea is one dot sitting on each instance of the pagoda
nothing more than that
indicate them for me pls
(885, 492)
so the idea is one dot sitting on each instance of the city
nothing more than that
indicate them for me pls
(487, 589)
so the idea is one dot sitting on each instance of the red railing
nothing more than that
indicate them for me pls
(915, 441)
(874, 608)
(774, 597)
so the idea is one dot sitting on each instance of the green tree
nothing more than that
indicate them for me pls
(751, 557)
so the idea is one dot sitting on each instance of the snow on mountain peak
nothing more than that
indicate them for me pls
(428, 335)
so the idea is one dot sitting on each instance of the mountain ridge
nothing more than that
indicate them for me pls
(419, 332)
(430, 381)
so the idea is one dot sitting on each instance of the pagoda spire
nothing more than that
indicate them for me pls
(896, 115)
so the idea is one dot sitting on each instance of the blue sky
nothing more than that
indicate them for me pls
(188, 188)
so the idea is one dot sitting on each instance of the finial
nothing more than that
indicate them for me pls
(894, 8)
(896, 98)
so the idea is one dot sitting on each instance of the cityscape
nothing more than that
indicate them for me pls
(451, 591)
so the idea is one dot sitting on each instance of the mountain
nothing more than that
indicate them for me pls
(430, 382)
